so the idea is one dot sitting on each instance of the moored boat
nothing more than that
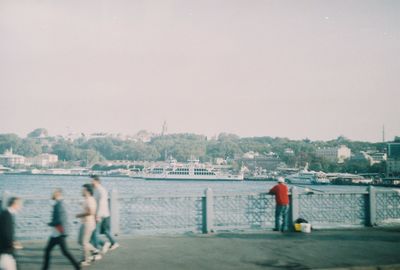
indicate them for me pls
(191, 171)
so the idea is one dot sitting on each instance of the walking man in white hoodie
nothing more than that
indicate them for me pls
(102, 218)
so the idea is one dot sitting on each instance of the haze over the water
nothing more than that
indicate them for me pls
(298, 69)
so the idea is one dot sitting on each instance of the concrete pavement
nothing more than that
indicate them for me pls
(343, 249)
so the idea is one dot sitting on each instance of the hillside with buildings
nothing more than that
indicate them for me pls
(40, 150)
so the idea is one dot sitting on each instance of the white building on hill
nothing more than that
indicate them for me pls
(42, 160)
(11, 160)
(338, 154)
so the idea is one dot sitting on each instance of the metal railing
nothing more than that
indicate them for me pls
(218, 212)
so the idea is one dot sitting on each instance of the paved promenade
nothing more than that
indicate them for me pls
(223, 251)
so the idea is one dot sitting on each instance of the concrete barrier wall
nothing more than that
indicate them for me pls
(208, 212)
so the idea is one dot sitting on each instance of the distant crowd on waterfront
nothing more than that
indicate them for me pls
(95, 219)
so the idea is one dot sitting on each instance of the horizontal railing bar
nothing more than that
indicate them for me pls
(199, 196)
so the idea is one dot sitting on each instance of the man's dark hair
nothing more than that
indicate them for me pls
(13, 200)
(95, 177)
(89, 188)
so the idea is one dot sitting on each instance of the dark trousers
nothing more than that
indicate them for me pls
(281, 217)
(54, 241)
(103, 226)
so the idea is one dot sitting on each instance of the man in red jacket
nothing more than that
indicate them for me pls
(282, 204)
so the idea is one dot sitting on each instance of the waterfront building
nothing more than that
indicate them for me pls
(393, 160)
(393, 167)
(393, 150)
(10, 159)
(376, 157)
(372, 157)
(337, 154)
(42, 160)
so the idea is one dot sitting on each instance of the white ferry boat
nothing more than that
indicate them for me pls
(307, 177)
(192, 171)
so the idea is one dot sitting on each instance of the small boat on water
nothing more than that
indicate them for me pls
(260, 174)
(191, 171)
(4, 169)
(348, 178)
(307, 177)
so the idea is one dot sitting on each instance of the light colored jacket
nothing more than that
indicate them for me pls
(101, 196)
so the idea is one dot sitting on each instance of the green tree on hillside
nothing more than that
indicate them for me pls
(29, 148)
(65, 151)
(37, 133)
(8, 141)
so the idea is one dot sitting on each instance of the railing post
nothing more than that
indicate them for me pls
(4, 199)
(295, 204)
(208, 211)
(372, 206)
(114, 212)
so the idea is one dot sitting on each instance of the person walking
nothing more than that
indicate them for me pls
(281, 193)
(59, 224)
(7, 259)
(102, 218)
(88, 225)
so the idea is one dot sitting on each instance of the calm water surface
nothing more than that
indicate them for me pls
(42, 185)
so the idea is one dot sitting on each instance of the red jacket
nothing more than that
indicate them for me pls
(281, 194)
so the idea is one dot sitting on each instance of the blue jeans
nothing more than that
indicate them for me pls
(281, 217)
(95, 240)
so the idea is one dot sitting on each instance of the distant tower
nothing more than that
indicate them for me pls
(383, 133)
(164, 128)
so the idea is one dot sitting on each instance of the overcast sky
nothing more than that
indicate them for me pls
(296, 69)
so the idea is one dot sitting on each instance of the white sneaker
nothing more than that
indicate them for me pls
(85, 263)
(105, 247)
(114, 246)
(96, 257)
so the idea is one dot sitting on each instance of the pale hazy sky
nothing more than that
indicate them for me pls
(298, 69)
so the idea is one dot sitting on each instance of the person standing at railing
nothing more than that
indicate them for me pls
(7, 260)
(59, 234)
(281, 193)
(102, 218)
(88, 225)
